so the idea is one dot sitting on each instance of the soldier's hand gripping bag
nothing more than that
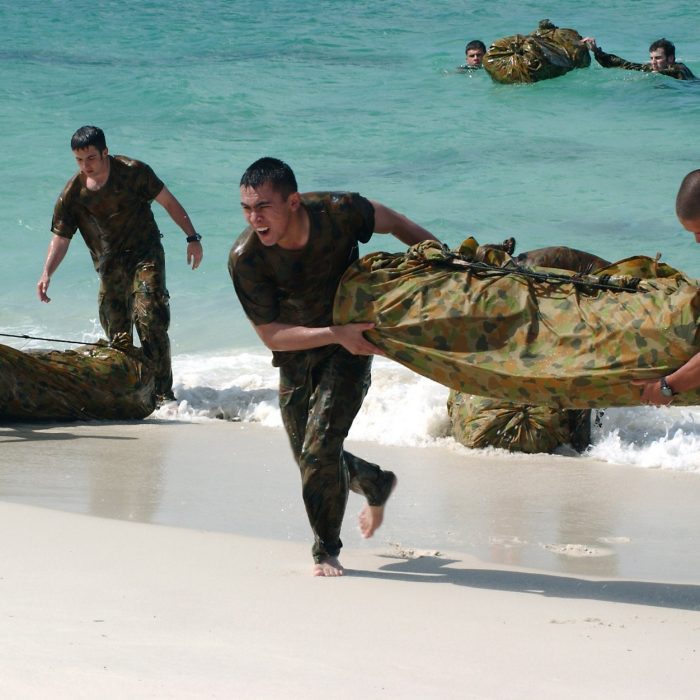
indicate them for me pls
(525, 59)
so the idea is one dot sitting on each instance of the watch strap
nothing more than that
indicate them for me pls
(666, 389)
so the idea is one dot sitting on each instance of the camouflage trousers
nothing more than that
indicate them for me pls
(133, 294)
(319, 398)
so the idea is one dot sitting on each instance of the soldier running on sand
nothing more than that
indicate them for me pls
(286, 267)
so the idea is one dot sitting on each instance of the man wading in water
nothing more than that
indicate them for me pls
(109, 201)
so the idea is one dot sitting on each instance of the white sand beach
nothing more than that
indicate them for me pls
(163, 560)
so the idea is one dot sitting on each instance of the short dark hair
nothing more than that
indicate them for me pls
(688, 197)
(88, 136)
(271, 170)
(666, 45)
(476, 44)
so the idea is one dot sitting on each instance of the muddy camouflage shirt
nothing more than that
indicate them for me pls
(610, 60)
(116, 219)
(297, 287)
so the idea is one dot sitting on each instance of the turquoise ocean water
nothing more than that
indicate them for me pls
(360, 96)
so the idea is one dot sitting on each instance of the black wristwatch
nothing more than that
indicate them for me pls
(193, 238)
(666, 389)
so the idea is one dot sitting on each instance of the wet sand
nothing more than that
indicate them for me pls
(491, 575)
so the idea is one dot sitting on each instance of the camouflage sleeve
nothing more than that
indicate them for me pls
(148, 183)
(256, 293)
(350, 212)
(64, 223)
(679, 71)
(610, 60)
(364, 222)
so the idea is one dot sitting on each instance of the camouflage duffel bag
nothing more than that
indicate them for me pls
(567, 40)
(546, 53)
(92, 382)
(479, 422)
(530, 335)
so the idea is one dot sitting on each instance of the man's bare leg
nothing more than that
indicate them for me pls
(371, 517)
(329, 567)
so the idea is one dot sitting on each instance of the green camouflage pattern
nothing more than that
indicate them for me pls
(609, 60)
(321, 389)
(133, 295)
(96, 382)
(539, 336)
(120, 231)
(546, 53)
(319, 398)
(116, 219)
(291, 286)
(480, 422)
(566, 40)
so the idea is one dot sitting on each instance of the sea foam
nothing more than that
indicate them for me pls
(405, 409)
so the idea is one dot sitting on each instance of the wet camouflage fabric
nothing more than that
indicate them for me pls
(115, 219)
(563, 258)
(566, 40)
(133, 294)
(548, 52)
(545, 340)
(609, 60)
(298, 286)
(321, 390)
(479, 422)
(319, 399)
(88, 383)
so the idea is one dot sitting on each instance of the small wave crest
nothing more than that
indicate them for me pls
(405, 409)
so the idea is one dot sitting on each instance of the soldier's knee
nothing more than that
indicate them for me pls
(152, 305)
(321, 454)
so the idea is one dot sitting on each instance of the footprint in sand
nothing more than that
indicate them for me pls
(404, 553)
(578, 550)
(614, 540)
(507, 541)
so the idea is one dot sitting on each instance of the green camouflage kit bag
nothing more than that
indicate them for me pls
(93, 382)
(479, 422)
(548, 52)
(530, 335)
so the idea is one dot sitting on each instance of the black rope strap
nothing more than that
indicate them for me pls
(51, 340)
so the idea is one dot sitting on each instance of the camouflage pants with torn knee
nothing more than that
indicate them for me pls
(133, 294)
(320, 395)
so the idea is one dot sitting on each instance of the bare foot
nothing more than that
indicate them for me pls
(371, 517)
(329, 567)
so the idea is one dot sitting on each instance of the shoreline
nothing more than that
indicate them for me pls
(557, 514)
(140, 561)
